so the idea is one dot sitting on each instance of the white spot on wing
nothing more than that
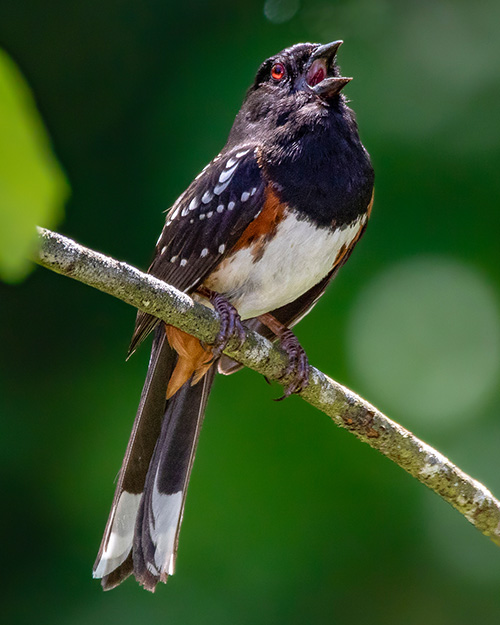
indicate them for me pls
(227, 174)
(207, 197)
(222, 248)
(174, 213)
(220, 208)
(219, 188)
(121, 535)
(204, 252)
(209, 214)
(244, 196)
(193, 205)
(230, 162)
(185, 211)
(242, 153)
(173, 259)
(231, 205)
(183, 262)
(163, 249)
(252, 192)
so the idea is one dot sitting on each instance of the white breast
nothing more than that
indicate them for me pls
(295, 259)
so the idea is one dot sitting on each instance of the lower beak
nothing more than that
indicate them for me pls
(324, 57)
(330, 87)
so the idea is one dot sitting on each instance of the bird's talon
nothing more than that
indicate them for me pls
(230, 325)
(242, 335)
(298, 365)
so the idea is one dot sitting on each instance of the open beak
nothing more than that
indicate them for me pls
(320, 76)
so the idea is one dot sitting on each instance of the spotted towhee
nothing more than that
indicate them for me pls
(259, 234)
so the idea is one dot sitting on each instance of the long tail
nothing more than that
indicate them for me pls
(142, 532)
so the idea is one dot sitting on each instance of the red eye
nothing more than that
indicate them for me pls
(278, 71)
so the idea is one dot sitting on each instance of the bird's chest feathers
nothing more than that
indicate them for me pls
(276, 269)
(322, 170)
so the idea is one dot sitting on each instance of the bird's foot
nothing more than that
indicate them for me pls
(298, 364)
(231, 326)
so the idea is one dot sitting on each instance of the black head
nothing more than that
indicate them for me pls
(306, 135)
(305, 67)
(303, 80)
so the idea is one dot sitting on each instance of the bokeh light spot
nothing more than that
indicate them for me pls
(424, 340)
(279, 11)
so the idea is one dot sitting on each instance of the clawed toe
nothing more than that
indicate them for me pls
(298, 364)
(230, 325)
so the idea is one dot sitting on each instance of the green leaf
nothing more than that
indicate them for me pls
(33, 187)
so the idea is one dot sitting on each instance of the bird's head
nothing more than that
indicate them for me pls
(302, 79)
(306, 67)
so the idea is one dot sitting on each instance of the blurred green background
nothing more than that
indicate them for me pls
(288, 519)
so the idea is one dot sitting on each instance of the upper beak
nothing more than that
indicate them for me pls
(327, 52)
(324, 57)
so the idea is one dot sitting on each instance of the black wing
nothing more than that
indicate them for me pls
(205, 223)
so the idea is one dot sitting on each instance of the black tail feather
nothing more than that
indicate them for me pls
(143, 527)
(160, 514)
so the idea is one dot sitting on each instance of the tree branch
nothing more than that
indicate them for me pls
(346, 409)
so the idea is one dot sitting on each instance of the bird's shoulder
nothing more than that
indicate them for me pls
(206, 220)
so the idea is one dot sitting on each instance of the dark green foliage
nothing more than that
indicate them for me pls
(288, 520)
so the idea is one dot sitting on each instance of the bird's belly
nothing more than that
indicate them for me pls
(269, 274)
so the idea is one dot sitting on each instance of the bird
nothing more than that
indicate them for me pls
(258, 236)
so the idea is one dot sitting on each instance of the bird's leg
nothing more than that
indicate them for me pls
(230, 321)
(298, 364)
